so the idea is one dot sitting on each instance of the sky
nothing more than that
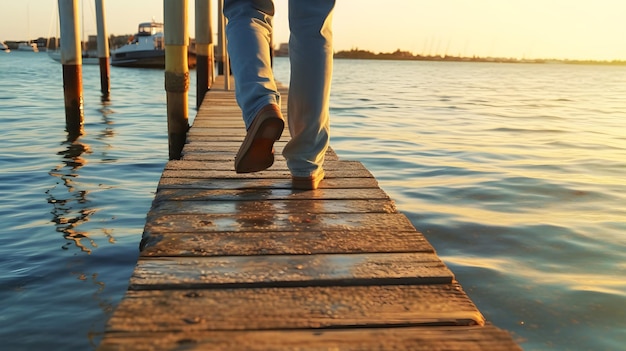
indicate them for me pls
(558, 29)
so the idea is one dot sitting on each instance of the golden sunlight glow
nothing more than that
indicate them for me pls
(574, 29)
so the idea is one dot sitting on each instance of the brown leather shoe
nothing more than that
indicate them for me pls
(257, 150)
(307, 183)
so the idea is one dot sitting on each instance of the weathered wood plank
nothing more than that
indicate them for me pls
(269, 173)
(182, 165)
(245, 220)
(290, 206)
(227, 156)
(217, 136)
(293, 308)
(264, 192)
(225, 131)
(281, 182)
(289, 270)
(211, 121)
(457, 338)
(211, 145)
(197, 169)
(281, 243)
(211, 155)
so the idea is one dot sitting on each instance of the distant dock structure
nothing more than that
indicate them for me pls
(282, 51)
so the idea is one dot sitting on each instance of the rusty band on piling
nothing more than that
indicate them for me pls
(176, 86)
(176, 82)
(73, 94)
(105, 76)
(176, 69)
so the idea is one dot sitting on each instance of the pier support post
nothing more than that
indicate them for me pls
(103, 50)
(204, 49)
(72, 61)
(223, 45)
(176, 74)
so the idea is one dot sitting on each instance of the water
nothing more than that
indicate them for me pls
(514, 172)
(73, 212)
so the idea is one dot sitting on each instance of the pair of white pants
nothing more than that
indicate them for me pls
(249, 33)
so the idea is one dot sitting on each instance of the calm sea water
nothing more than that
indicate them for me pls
(514, 172)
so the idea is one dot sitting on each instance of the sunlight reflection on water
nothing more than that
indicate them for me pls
(514, 173)
(74, 209)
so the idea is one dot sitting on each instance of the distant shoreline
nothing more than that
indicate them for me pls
(357, 54)
(407, 56)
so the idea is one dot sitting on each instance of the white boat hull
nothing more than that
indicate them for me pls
(146, 59)
(32, 47)
(87, 60)
(146, 49)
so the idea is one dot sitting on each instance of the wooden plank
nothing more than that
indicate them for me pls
(216, 136)
(457, 338)
(355, 169)
(282, 181)
(219, 120)
(211, 146)
(246, 220)
(211, 152)
(210, 132)
(293, 308)
(227, 156)
(286, 206)
(181, 165)
(289, 270)
(174, 244)
(269, 173)
(263, 192)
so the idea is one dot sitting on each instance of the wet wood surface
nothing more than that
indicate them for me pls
(243, 262)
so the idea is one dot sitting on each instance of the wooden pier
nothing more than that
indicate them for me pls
(243, 262)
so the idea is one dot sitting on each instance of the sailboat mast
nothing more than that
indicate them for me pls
(82, 25)
(28, 21)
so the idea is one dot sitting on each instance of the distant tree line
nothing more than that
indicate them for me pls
(356, 53)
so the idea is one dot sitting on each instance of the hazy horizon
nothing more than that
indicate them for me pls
(531, 29)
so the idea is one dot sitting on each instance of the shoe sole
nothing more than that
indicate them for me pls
(257, 150)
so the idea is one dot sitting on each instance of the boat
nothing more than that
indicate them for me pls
(88, 59)
(27, 46)
(4, 47)
(145, 49)
(24, 46)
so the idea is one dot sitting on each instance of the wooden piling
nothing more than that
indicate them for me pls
(204, 49)
(176, 73)
(103, 50)
(72, 60)
(223, 45)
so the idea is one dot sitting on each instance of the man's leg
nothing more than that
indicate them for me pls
(311, 58)
(249, 31)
